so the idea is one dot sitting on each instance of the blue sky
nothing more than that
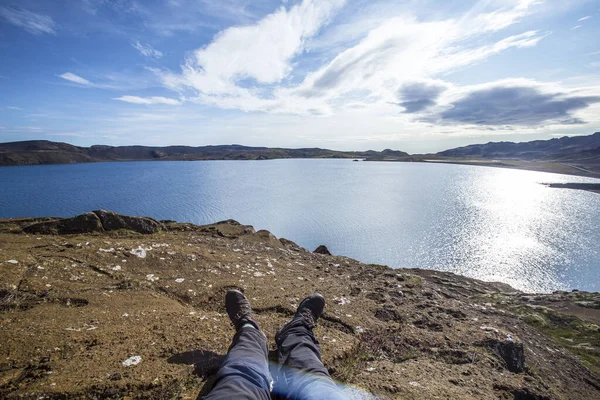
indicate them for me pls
(419, 76)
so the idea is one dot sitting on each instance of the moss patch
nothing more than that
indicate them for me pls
(579, 337)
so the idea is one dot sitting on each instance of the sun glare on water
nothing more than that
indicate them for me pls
(517, 236)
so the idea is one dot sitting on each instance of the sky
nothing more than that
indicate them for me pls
(418, 76)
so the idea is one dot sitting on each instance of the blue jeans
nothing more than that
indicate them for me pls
(300, 375)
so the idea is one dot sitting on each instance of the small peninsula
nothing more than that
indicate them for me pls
(80, 296)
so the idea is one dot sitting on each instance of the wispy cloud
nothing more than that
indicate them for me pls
(36, 24)
(13, 108)
(576, 27)
(243, 68)
(147, 50)
(71, 134)
(71, 77)
(121, 81)
(261, 52)
(584, 18)
(148, 100)
(23, 129)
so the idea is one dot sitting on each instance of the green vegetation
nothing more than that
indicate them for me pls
(579, 337)
(413, 280)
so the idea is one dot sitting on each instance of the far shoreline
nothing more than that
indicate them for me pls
(538, 166)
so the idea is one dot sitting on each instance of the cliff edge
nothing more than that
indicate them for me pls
(110, 306)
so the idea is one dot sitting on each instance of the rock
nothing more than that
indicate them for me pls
(84, 223)
(112, 221)
(355, 291)
(96, 221)
(228, 228)
(289, 244)
(430, 295)
(263, 233)
(11, 376)
(266, 237)
(116, 376)
(322, 249)
(375, 296)
(388, 314)
(428, 323)
(511, 352)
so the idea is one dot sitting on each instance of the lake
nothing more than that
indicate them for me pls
(488, 223)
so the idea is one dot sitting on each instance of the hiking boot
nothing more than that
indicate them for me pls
(308, 312)
(310, 309)
(239, 309)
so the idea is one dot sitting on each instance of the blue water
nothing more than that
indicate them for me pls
(489, 223)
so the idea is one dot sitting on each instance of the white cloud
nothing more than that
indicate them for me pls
(36, 24)
(244, 68)
(381, 80)
(69, 76)
(71, 134)
(576, 27)
(261, 52)
(480, 19)
(584, 18)
(147, 50)
(13, 108)
(148, 100)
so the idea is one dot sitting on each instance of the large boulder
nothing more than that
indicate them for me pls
(322, 249)
(96, 221)
(112, 221)
(289, 244)
(84, 223)
(511, 351)
(267, 238)
(228, 228)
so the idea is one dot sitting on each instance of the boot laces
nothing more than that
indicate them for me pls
(308, 317)
(244, 312)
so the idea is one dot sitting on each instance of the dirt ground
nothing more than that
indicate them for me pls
(126, 315)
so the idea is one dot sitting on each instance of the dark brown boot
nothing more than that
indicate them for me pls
(239, 309)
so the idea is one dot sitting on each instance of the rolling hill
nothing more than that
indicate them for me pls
(47, 152)
(558, 149)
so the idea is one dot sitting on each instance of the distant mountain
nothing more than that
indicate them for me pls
(584, 150)
(47, 152)
(575, 148)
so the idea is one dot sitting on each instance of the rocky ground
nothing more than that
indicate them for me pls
(113, 313)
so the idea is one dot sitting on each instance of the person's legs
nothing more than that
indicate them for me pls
(244, 373)
(302, 375)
